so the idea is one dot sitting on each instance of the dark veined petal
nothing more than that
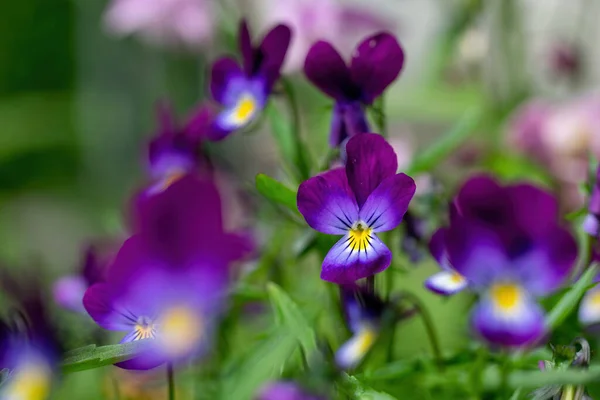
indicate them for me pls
(385, 207)
(370, 160)
(446, 283)
(326, 69)
(271, 53)
(326, 203)
(520, 325)
(350, 260)
(376, 63)
(99, 303)
(223, 72)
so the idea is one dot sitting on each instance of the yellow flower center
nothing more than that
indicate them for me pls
(31, 382)
(506, 295)
(596, 298)
(457, 278)
(245, 108)
(366, 339)
(360, 236)
(180, 330)
(144, 329)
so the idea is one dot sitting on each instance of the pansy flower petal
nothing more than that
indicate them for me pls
(352, 258)
(98, 302)
(223, 71)
(533, 209)
(476, 253)
(272, 53)
(370, 160)
(385, 207)
(244, 100)
(326, 204)
(376, 63)
(446, 283)
(351, 353)
(548, 263)
(589, 308)
(509, 317)
(326, 69)
(246, 48)
(437, 248)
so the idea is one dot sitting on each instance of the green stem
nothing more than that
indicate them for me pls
(429, 327)
(300, 162)
(171, 381)
(380, 119)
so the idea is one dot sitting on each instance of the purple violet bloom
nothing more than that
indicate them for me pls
(243, 90)
(282, 390)
(364, 198)
(173, 153)
(510, 259)
(375, 64)
(591, 224)
(169, 280)
(363, 312)
(519, 213)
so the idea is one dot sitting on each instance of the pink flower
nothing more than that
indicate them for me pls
(187, 22)
(342, 25)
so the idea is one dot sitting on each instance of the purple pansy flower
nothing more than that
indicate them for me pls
(375, 64)
(243, 90)
(173, 153)
(510, 262)
(591, 224)
(518, 213)
(168, 281)
(363, 312)
(364, 198)
(285, 390)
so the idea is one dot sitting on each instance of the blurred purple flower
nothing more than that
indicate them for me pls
(282, 390)
(375, 64)
(243, 90)
(364, 198)
(363, 312)
(68, 290)
(518, 214)
(169, 280)
(334, 21)
(174, 151)
(168, 22)
(507, 243)
(591, 224)
(565, 60)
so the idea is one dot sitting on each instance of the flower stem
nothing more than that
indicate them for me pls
(429, 326)
(380, 119)
(300, 161)
(171, 381)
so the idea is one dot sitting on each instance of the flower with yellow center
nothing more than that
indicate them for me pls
(245, 109)
(506, 296)
(181, 329)
(29, 382)
(359, 237)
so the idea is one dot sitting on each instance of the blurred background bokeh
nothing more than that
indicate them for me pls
(80, 79)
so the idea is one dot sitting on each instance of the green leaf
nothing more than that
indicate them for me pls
(282, 132)
(569, 301)
(289, 316)
(447, 144)
(362, 391)
(89, 357)
(276, 192)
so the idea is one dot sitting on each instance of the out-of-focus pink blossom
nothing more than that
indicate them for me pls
(340, 24)
(561, 137)
(186, 22)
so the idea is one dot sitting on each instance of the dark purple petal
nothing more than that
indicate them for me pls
(198, 124)
(271, 53)
(446, 283)
(377, 62)
(338, 131)
(245, 43)
(285, 391)
(476, 253)
(223, 71)
(143, 362)
(437, 247)
(547, 265)
(370, 160)
(482, 198)
(522, 326)
(534, 210)
(170, 155)
(385, 207)
(326, 204)
(183, 221)
(326, 69)
(346, 263)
